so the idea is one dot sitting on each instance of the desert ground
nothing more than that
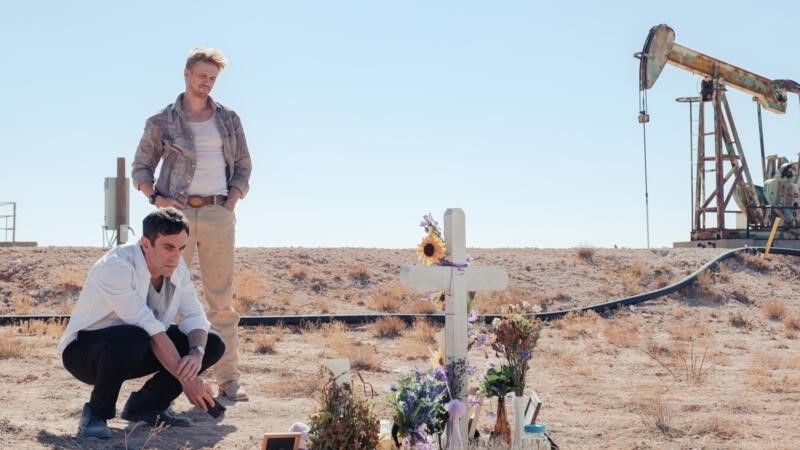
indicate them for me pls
(715, 366)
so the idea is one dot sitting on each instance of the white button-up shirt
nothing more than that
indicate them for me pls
(118, 284)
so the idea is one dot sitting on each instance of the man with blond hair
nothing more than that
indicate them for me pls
(205, 170)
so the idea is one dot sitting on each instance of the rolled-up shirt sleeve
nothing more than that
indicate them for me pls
(243, 166)
(116, 284)
(148, 154)
(193, 317)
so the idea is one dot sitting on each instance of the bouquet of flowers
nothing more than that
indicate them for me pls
(515, 337)
(418, 402)
(431, 250)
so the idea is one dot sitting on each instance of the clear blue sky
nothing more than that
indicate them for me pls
(363, 116)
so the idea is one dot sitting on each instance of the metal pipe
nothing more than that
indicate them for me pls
(741, 79)
(357, 319)
(761, 142)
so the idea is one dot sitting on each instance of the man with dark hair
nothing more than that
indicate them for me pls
(204, 170)
(121, 328)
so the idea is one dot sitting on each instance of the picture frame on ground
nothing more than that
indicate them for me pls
(281, 441)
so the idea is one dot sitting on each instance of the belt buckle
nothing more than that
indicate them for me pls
(196, 202)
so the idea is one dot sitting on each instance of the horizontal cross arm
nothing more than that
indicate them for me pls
(423, 278)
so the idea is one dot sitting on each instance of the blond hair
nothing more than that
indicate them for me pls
(209, 55)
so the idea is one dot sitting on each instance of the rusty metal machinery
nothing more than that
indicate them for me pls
(780, 194)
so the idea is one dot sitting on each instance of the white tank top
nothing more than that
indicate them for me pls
(209, 174)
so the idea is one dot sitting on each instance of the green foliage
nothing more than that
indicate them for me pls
(344, 422)
(499, 382)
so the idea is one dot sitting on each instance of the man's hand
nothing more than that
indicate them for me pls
(189, 366)
(199, 393)
(234, 195)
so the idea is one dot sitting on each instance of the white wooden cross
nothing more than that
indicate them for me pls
(455, 281)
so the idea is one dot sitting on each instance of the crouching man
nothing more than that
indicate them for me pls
(121, 328)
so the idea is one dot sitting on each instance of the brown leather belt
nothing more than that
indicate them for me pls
(196, 201)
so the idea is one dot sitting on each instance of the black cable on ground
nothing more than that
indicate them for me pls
(360, 319)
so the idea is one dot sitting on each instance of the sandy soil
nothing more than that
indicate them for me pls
(628, 381)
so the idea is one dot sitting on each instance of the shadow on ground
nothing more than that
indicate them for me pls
(204, 434)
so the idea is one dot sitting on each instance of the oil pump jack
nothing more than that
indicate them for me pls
(780, 194)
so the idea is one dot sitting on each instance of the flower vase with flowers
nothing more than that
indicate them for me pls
(514, 339)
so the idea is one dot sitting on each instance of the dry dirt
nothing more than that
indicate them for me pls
(632, 380)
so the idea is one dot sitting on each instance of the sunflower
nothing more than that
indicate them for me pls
(437, 357)
(431, 249)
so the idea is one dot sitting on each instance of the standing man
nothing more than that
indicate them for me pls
(205, 170)
(121, 328)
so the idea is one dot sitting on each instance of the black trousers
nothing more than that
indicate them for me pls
(106, 358)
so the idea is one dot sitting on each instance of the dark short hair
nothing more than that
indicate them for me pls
(164, 221)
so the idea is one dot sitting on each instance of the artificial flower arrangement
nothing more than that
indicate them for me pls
(514, 338)
(418, 404)
(431, 250)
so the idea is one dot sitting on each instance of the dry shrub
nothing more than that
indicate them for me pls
(622, 334)
(10, 345)
(410, 348)
(422, 306)
(688, 365)
(703, 287)
(758, 378)
(631, 277)
(695, 366)
(773, 309)
(389, 298)
(303, 386)
(265, 343)
(318, 285)
(768, 361)
(579, 324)
(266, 339)
(248, 287)
(585, 252)
(322, 306)
(680, 312)
(688, 331)
(52, 328)
(657, 414)
(68, 277)
(333, 330)
(498, 301)
(298, 272)
(361, 274)
(387, 327)
(738, 320)
(704, 281)
(361, 356)
(662, 280)
(22, 303)
(792, 322)
(424, 331)
(719, 427)
(754, 262)
(334, 336)
(723, 273)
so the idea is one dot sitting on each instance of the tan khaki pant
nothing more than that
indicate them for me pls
(212, 233)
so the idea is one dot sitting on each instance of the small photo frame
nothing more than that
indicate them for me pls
(281, 441)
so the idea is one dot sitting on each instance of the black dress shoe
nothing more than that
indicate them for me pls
(154, 418)
(91, 425)
(137, 410)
